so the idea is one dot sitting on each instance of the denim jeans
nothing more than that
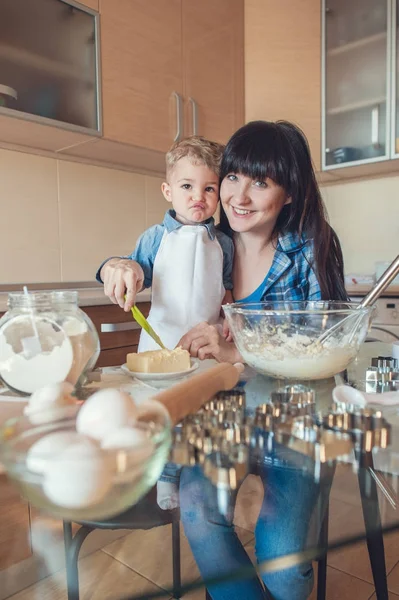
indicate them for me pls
(291, 499)
(171, 473)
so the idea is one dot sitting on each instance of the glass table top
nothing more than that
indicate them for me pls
(278, 499)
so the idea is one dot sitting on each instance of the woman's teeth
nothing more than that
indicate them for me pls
(240, 211)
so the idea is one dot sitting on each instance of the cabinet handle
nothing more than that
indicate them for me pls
(179, 116)
(127, 326)
(375, 116)
(194, 106)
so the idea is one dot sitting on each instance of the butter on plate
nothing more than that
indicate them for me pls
(159, 361)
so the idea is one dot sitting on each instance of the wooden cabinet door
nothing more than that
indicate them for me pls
(90, 3)
(282, 65)
(141, 69)
(213, 59)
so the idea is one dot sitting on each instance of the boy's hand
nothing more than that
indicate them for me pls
(204, 341)
(122, 277)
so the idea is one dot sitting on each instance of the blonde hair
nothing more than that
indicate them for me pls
(198, 150)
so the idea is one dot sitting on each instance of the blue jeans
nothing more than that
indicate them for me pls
(291, 498)
(171, 473)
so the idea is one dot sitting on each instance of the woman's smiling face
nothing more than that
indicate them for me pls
(251, 205)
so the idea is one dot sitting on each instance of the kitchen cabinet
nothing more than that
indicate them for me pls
(356, 81)
(329, 67)
(168, 69)
(48, 68)
(141, 71)
(171, 68)
(119, 333)
(282, 65)
(213, 67)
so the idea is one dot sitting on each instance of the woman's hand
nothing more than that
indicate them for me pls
(122, 277)
(204, 341)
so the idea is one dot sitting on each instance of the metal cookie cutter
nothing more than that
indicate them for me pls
(297, 400)
(226, 471)
(304, 436)
(383, 375)
(367, 427)
(182, 452)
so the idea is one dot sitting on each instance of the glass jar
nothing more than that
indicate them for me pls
(45, 338)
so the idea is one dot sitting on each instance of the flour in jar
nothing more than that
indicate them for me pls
(297, 356)
(26, 373)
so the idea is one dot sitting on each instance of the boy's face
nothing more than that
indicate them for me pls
(193, 191)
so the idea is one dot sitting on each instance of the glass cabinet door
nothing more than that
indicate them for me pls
(48, 61)
(395, 87)
(356, 120)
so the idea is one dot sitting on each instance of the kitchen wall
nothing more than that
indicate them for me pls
(365, 216)
(59, 218)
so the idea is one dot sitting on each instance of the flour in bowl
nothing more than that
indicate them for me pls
(296, 357)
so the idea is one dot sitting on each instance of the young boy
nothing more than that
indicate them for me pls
(186, 261)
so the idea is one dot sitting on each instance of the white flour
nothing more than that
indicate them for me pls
(29, 373)
(297, 356)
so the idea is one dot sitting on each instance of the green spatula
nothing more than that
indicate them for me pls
(144, 324)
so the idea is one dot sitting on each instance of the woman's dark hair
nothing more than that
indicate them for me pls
(280, 151)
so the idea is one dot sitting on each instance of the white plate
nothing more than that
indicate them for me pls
(161, 376)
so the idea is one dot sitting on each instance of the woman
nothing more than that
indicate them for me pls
(284, 250)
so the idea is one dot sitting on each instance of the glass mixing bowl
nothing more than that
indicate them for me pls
(281, 339)
(85, 482)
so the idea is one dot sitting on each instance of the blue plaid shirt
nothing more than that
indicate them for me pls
(291, 276)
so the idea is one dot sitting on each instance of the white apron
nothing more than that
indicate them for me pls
(187, 285)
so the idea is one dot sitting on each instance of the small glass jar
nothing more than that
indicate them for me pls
(45, 338)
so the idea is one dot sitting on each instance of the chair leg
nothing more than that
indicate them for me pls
(73, 545)
(176, 559)
(322, 562)
(372, 522)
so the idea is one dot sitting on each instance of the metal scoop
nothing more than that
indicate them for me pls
(373, 294)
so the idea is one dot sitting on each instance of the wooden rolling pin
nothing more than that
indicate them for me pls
(188, 396)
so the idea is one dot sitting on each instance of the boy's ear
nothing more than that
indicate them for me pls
(165, 187)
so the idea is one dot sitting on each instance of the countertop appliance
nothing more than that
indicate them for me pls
(385, 327)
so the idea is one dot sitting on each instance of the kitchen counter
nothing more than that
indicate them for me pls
(89, 294)
(360, 289)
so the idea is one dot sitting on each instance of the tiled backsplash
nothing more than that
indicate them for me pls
(365, 215)
(60, 219)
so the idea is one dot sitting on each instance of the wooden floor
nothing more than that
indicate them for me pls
(141, 561)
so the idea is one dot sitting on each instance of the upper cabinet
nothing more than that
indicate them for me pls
(48, 63)
(141, 56)
(282, 65)
(331, 67)
(213, 67)
(117, 81)
(357, 45)
(171, 68)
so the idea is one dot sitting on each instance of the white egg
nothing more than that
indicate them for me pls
(125, 437)
(79, 477)
(58, 393)
(47, 404)
(105, 411)
(42, 452)
(132, 449)
(153, 411)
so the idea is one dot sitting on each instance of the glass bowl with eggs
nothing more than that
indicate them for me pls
(305, 340)
(86, 461)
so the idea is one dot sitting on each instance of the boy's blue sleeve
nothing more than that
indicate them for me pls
(144, 253)
(227, 246)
